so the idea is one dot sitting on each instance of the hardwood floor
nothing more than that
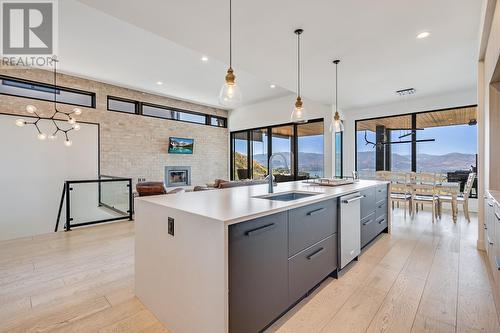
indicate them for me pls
(423, 278)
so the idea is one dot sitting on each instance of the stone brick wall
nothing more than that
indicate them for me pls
(132, 145)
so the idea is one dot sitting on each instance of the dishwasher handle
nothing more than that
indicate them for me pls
(348, 201)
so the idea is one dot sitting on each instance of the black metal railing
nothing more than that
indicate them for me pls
(93, 201)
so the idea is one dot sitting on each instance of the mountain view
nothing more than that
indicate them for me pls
(310, 163)
(426, 162)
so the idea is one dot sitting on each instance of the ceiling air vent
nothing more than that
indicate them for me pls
(406, 92)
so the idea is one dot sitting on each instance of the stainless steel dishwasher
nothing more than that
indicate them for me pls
(350, 229)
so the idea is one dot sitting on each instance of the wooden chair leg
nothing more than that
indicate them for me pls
(404, 207)
(466, 210)
(433, 211)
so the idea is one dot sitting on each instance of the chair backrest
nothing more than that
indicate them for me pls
(399, 188)
(441, 178)
(468, 185)
(425, 178)
(383, 175)
(400, 177)
(150, 188)
(424, 189)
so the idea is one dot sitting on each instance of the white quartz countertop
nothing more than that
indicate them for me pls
(237, 204)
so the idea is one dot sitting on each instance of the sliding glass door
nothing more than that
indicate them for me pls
(443, 142)
(299, 150)
(310, 154)
(240, 156)
(259, 153)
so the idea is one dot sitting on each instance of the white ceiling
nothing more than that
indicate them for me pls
(374, 39)
(95, 45)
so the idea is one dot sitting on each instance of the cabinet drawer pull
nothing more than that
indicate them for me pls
(381, 221)
(348, 201)
(316, 211)
(368, 222)
(498, 216)
(315, 254)
(260, 230)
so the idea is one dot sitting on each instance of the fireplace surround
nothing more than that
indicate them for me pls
(177, 176)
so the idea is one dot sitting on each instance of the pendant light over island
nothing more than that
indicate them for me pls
(230, 93)
(299, 114)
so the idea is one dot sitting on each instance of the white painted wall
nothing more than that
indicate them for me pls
(32, 174)
(277, 111)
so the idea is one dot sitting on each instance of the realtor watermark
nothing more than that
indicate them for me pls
(29, 32)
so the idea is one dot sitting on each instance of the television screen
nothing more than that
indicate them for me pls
(180, 146)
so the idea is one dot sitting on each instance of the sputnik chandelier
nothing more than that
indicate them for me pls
(69, 116)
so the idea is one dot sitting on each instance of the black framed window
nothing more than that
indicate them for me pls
(339, 156)
(310, 150)
(41, 91)
(218, 121)
(240, 153)
(299, 148)
(118, 104)
(443, 142)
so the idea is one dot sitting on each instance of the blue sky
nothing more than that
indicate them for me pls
(459, 139)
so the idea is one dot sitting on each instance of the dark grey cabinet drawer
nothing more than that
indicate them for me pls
(381, 223)
(368, 229)
(258, 269)
(368, 202)
(381, 209)
(381, 193)
(311, 266)
(310, 224)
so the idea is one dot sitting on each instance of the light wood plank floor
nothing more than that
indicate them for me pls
(423, 278)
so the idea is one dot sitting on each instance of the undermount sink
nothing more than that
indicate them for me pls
(287, 196)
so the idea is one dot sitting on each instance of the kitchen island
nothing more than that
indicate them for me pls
(233, 260)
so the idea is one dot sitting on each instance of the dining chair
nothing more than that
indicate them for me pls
(424, 194)
(425, 178)
(383, 175)
(462, 198)
(400, 193)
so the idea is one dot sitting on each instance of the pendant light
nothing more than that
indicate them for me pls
(69, 116)
(337, 124)
(230, 94)
(299, 114)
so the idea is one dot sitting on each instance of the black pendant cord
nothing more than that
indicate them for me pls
(336, 62)
(336, 87)
(298, 64)
(230, 34)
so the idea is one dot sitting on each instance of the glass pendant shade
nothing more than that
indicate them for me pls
(337, 123)
(230, 93)
(299, 114)
(338, 126)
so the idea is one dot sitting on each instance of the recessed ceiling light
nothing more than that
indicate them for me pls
(423, 34)
(272, 86)
(204, 58)
(159, 83)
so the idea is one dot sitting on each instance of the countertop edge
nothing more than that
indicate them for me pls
(299, 203)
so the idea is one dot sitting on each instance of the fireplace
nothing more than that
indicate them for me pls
(177, 176)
